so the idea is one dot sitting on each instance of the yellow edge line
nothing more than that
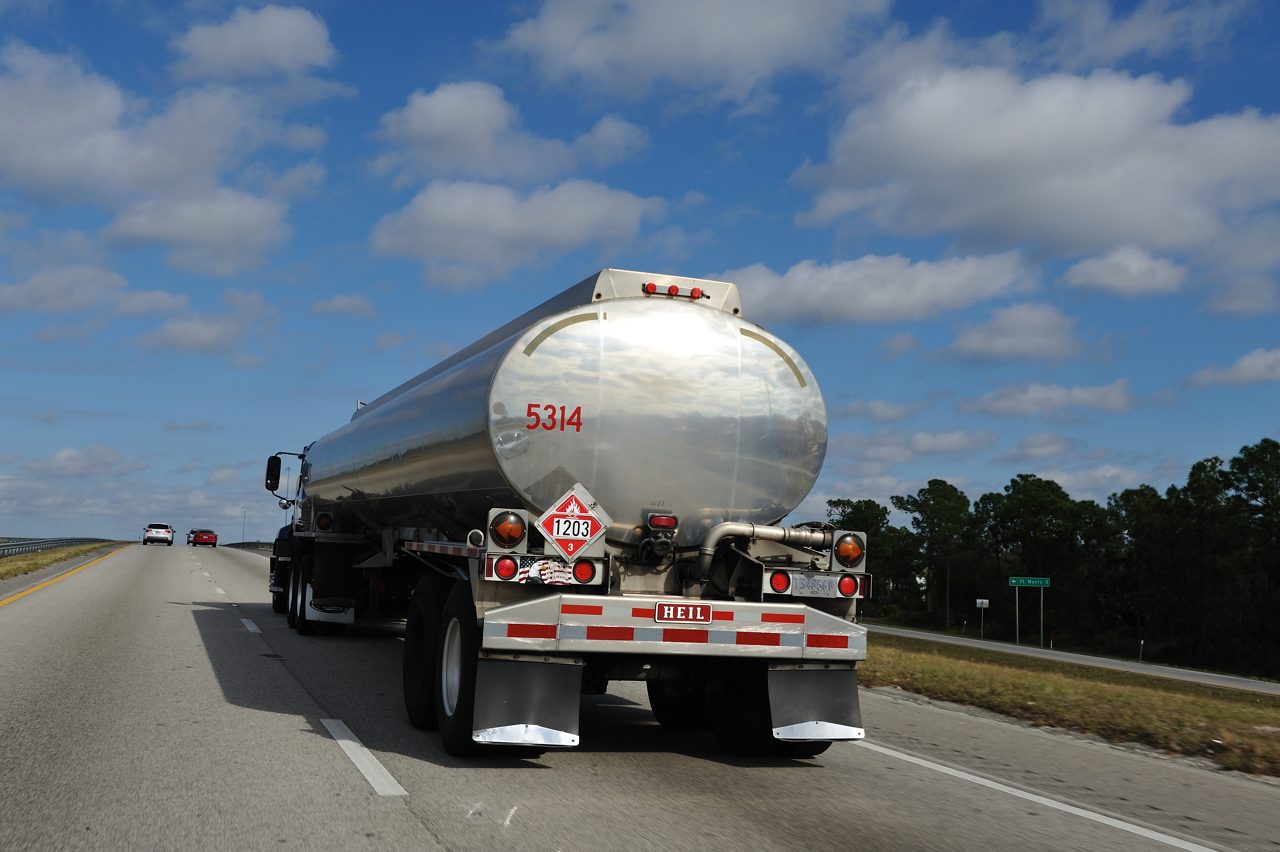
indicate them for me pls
(64, 575)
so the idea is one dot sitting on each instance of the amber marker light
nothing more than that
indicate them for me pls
(507, 529)
(849, 550)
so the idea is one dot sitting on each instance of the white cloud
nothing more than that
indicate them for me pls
(471, 130)
(354, 305)
(227, 473)
(255, 43)
(725, 50)
(881, 410)
(1260, 365)
(1051, 399)
(877, 289)
(466, 232)
(245, 314)
(1126, 271)
(388, 340)
(65, 290)
(1082, 33)
(221, 233)
(1068, 163)
(136, 302)
(91, 461)
(72, 136)
(1041, 445)
(1026, 331)
(897, 344)
(885, 448)
(1096, 483)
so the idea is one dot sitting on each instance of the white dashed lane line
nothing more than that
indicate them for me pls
(373, 771)
(250, 626)
(1168, 840)
(219, 591)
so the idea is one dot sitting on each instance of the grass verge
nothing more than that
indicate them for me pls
(25, 563)
(1235, 729)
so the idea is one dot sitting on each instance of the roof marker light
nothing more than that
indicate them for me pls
(651, 288)
(673, 290)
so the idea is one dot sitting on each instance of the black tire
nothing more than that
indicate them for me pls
(279, 602)
(169, 543)
(457, 651)
(421, 630)
(292, 594)
(678, 709)
(738, 705)
(305, 626)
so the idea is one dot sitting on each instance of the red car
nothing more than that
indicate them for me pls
(208, 537)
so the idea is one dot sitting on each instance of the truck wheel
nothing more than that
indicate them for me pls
(677, 709)
(738, 705)
(418, 663)
(457, 650)
(304, 625)
(292, 618)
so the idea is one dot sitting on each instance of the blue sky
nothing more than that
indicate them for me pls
(1045, 241)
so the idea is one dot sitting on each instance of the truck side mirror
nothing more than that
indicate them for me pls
(273, 473)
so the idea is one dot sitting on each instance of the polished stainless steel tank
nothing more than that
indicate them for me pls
(666, 401)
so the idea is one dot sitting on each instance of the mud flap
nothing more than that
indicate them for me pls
(814, 702)
(527, 702)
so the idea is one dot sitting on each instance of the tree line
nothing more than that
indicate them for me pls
(1190, 576)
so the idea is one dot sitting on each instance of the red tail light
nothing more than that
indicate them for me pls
(584, 570)
(848, 585)
(780, 581)
(506, 568)
(663, 522)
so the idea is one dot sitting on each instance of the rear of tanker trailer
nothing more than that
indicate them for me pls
(592, 493)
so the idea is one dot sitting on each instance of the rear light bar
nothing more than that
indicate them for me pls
(818, 584)
(547, 570)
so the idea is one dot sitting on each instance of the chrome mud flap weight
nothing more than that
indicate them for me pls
(814, 701)
(527, 700)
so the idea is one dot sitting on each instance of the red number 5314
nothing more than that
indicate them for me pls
(553, 418)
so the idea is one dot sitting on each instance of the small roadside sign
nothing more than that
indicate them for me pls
(1036, 582)
(574, 522)
(983, 603)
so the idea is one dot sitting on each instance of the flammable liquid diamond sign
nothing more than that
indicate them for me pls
(574, 522)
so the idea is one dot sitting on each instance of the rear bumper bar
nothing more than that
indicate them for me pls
(585, 624)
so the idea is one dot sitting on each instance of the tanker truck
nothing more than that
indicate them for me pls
(592, 493)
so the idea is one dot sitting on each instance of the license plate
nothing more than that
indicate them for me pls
(815, 585)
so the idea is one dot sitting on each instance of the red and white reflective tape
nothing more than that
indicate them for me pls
(619, 626)
(443, 547)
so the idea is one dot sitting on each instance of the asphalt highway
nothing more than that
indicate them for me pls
(152, 700)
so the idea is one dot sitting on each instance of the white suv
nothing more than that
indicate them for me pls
(160, 533)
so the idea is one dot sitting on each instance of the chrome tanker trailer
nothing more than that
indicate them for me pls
(591, 493)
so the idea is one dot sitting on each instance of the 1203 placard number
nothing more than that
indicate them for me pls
(553, 418)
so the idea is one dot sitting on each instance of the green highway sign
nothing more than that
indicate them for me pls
(1041, 582)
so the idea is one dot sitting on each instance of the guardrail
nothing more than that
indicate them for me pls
(31, 545)
(250, 545)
